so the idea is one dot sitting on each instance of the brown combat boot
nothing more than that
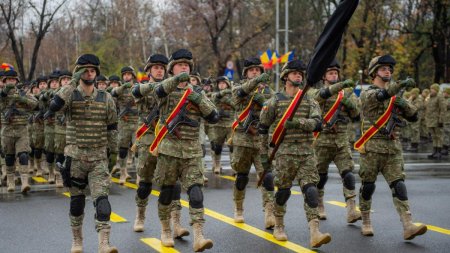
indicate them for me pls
(239, 211)
(278, 230)
(321, 208)
(200, 243)
(217, 167)
(352, 214)
(166, 234)
(58, 180)
(51, 173)
(140, 218)
(25, 184)
(269, 218)
(10, 181)
(103, 242)
(366, 228)
(77, 239)
(316, 237)
(178, 231)
(123, 176)
(409, 229)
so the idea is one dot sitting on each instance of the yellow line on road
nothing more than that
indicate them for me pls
(234, 179)
(114, 216)
(436, 229)
(156, 245)
(39, 179)
(253, 230)
(341, 204)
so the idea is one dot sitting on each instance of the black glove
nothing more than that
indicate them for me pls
(408, 83)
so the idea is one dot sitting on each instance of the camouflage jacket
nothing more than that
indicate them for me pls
(128, 111)
(435, 110)
(447, 113)
(13, 111)
(146, 105)
(225, 107)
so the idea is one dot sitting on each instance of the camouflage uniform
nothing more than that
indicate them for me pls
(424, 133)
(436, 108)
(60, 127)
(446, 123)
(417, 101)
(38, 134)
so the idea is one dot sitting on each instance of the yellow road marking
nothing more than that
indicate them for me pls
(253, 230)
(156, 245)
(341, 204)
(39, 179)
(234, 179)
(114, 216)
(436, 229)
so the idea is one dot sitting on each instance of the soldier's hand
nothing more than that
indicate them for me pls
(127, 85)
(263, 78)
(77, 75)
(224, 92)
(408, 83)
(195, 98)
(292, 124)
(347, 103)
(265, 162)
(109, 89)
(182, 77)
(349, 83)
(259, 99)
(9, 87)
(400, 102)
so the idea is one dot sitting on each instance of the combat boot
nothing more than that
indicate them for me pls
(103, 242)
(51, 174)
(269, 218)
(438, 154)
(316, 237)
(409, 229)
(77, 239)
(200, 243)
(352, 214)
(444, 150)
(178, 230)
(140, 218)
(25, 185)
(434, 154)
(321, 208)
(38, 168)
(278, 230)
(166, 234)
(123, 176)
(413, 148)
(239, 211)
(217, 167)
(58, 180)
(10, 181)
(366, 228)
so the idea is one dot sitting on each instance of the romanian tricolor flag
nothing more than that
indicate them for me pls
(6, 67)
(275, 58)
(266, 59)
(289, 56)
(141, 76)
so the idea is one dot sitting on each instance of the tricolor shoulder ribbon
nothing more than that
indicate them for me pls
(329, 115)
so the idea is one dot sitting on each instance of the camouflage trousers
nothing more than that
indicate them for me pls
(437, 136)
(49, 143)
(60, 143)
(219, 135)
(342, 157)
(291, 167)
(423, 127)
(446, 134)
(146, 165)
(415, 132)
(38, 135)
(242, 160)
(15, 141)
(126, 133)
(99, 182)
(391, 167)
(188, 171)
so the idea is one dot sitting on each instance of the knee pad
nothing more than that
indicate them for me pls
(77, 204)
(165, 197)
(323, 180)
(348, 180)
(10, 160)
(398, 188)
(282, 196)
(311, 195)
(241, 181)
(217, 149)
(102, 208)
(367, 189)
(123, 152)
(144, 190)
(176, 195)
(23, 158)
(60, 158)
(38, 153)
(195, 196)
(50, 157)
(267, 182)
(230, 148)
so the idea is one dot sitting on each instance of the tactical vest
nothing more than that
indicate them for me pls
(243, 102)
(303, 111)
(226, 111)
(14, 113)
(145, 107)
(341, 124)
(126, 102)
(86, 125)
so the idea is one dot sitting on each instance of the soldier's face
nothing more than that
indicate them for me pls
(193, 81)
(11, 81)
(222, 85)
(114, 84)
(446, 95)
(253, 72)
(36, 90)
(384, 72)
(89, 74)
(157, 72)
(207, 88)
(64, 81)
(181, 67)
(433, 92)
(332, 76)
(54, 84)
(295, 76)
(42, 85)
(102, 85)
(127, 77)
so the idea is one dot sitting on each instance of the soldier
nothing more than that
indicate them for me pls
(60, 121)
(380, 149)
(446, 124)
(424, 133)
(417, 101)
(102, 82)
(128, 118)
(295, 157)
(339, 107)
(91, 131)
(49, 129)
(436, 108)
(38, 128)
(179, 153)
(249, 97)
(114, 81)
(221, 131)
(34, 90)
(15, 106)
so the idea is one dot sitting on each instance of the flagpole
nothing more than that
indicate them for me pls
(286, 26)
(277, 42)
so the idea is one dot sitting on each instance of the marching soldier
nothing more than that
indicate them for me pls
(91, 131)
(102, 82)
(436, 108)
(15, 106)
(38, 128)
(424, 133)
(339, 107)
(380, 148)
(417, 101)
(295, 157)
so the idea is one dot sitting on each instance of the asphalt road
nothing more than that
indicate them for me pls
(38, 221)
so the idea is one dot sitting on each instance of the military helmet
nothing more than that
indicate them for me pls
(291, 66)
(53, 76)
(88, 60)
(385, 60)
(415, 91)
(128, 69)
(156, 59)
(334, 66)
(10, 74)
(223, 79)
(447, 90)
(181, 55)
(250, 63)
(101, 78)
(114, 78)
(41, 79)
(197, 76)
(435, 87)
(64, 73)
